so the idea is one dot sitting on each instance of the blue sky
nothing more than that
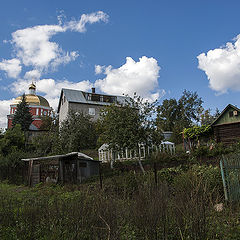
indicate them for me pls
(156, 48)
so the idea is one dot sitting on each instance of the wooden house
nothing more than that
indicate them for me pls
(68, 168)
(226, 127)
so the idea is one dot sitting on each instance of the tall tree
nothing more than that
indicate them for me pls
(77, 132)
(175, 115)
(127, 125)
(22, 115)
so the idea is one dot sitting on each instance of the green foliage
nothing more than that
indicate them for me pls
(196, 132)
(48, 142)
(22, 115)
(128, 125)
(129, 206)
(12, 140)
(77, 132)
(173, 115)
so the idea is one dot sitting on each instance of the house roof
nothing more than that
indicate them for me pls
(77, 96)
(224, 110)
(79, 154)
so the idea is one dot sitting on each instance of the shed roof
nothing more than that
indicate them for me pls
(167, 143)
(79, 154)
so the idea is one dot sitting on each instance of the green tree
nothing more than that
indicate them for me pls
(48, 142)
(175, 115)
(77, 132)
(128, 125)
(13, 139)
(22, 115)
(206, 118)
(189, 105)
(167, 115)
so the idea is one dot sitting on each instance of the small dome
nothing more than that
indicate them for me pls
(33, 100)
(32, 86)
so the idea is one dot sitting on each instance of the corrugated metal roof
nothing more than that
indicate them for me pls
(79, 154)
(77, 96)
(74, 95)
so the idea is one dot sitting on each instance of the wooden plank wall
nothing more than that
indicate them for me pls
(228, 133)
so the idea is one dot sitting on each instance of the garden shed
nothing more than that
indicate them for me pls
(68, 168)
(226, 127)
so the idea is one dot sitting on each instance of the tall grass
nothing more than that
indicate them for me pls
(130, 206)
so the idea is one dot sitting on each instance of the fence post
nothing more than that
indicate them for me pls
(100, 176)
(224, 181)
(155, 172)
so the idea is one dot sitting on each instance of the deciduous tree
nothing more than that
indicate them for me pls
(128, 125)
(174, 115)
(77, 132)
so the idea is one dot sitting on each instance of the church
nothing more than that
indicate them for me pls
(38, 105)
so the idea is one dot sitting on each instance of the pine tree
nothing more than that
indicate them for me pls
(22, 115)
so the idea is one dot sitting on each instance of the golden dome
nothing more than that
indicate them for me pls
(32, 99)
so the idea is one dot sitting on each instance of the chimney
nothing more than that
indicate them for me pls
(93, 90)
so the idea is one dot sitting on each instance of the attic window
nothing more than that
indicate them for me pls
(89, 97)
(231, 114)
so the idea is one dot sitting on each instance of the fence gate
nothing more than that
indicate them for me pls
(230, 170)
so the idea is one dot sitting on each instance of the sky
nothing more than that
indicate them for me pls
(156, 48)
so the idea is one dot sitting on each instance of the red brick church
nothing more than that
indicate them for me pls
(38, 105)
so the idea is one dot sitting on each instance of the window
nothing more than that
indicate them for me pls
(231, 114)
(91, 111)
(89, 97)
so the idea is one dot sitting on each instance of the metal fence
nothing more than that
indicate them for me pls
(230, 170)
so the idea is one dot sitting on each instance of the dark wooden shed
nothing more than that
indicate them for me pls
(68, 168)
(226, 127)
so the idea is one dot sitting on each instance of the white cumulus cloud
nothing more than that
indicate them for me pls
(222, 66)
(32, 75)
(140, 77)
(4, 111)
(99, 69)
(80, 26)
(12, 67)
(33, 46)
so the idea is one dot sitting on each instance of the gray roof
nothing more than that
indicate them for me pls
(79, 154)
(77, 96)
